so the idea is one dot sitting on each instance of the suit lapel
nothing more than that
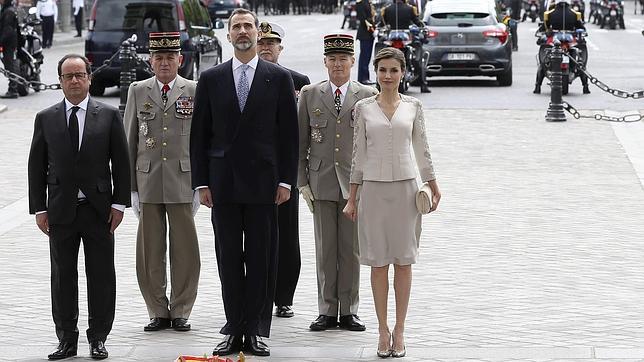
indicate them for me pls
(175, 92)
(155, 93)
(350, 99)
(261, 79)
(327, 97)
(91, 116)
(61, 123)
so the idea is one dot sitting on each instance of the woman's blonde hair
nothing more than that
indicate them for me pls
(389, 53)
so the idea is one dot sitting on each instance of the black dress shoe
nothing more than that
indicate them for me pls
(323, 322)
(255, 345)
(284, 311)
(180, 325)
(351, 322)
(64, 350)
(9, 95)
(157, 324)
(586, 90)
(97, 350)
(229, 345)
(537, 89)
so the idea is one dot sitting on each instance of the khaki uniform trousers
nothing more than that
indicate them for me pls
(185, 263)
(337, 259)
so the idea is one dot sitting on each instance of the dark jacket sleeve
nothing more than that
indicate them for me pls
(37, 169)
(200, 133)
(288, 146)
(120, 159)
(9, 28)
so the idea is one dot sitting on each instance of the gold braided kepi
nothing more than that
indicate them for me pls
(338, 43)
(165, 42)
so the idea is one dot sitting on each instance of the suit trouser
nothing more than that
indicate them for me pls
(246, 247)
(8, 61)
(78, 21)
(98, 246)
(366, 48)
(47, 30)
(337, 262)
(289, 262)
(185, 263)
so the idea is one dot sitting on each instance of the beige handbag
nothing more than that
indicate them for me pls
(424, 199)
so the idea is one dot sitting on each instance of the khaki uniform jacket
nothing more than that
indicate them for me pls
(159, 141)
(326, 139)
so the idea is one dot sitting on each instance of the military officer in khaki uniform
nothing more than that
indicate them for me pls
(326, 120)
(157, 122)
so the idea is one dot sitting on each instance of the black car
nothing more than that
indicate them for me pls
(221, 9)
(113, 21)
(466, 39)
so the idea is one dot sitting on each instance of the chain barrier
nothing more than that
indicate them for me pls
(39, 86)
(603, 86)
(629, 118)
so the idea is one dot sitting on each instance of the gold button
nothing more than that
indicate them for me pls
(165, 128)
(165, 159)
(165, 113)
(338, 122)
(337, 149)
(337, 135)
(165, 143)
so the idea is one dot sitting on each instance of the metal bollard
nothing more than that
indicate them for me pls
(127, 57)
(555, 111)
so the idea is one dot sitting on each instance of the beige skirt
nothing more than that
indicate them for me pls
(388, 224)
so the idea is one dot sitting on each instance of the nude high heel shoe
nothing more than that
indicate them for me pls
(387, 352)
(394, 352)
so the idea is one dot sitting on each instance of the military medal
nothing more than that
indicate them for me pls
(316, 135)
(143, 128)
(317, 112)
(150, 142)
(184, 106)
(147, 106)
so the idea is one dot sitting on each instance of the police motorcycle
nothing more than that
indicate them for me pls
(594, 15)
(29, 56)
(611, 14)
(580, 7)
(410, 42)
(530, 10)
(572, 55)
(350, 13)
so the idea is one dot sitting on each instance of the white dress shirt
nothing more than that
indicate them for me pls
(171, 84)
(47, 8)
(343, 89)
(77, 5)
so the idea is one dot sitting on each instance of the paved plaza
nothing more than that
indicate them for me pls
(535, 254)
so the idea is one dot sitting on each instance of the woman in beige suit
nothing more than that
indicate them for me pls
(387, 127)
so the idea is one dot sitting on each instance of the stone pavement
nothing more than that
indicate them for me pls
(535, 254)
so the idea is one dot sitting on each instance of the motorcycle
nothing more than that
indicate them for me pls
(580, 7)
(612, 14)
(595, 14)
(29, 51)
(350, 14)
(410, 42)
(512, 24)
(531, 10)
(572, 55)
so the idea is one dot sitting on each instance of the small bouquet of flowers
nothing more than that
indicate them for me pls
(206, 358)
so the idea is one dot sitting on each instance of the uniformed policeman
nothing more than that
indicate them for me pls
(326, 121)
(157, 119)
(366, 28)
(563, 18)
(400, 15)
(269, 48)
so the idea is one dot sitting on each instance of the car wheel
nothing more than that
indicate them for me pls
(96, 89)
(505, 78)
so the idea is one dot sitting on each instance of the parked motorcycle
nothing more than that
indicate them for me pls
(350, 14)
(612, 14)
(530, 10)
(580, 7)
(572, 55)
(29, 51)
(410, 42)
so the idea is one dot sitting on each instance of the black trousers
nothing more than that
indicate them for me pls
(8, 61)
(98, 246)
(47, 30)
(366, 48)
(78, 21)
(246, 247)
(288, 260)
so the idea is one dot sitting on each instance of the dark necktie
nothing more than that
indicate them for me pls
(164, 93)
(73, 128)
(338, 100)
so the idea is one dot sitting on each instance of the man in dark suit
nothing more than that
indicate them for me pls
(366, 27)
(269, 47)
(243, 151)
(70, 191)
